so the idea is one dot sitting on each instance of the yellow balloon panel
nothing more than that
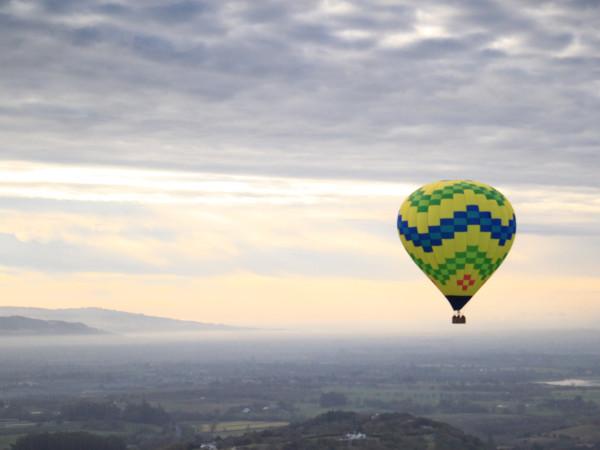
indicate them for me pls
(458, 232)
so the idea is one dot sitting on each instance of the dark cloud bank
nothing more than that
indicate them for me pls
(506, 92)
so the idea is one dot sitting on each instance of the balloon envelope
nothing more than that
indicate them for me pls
(458, 232)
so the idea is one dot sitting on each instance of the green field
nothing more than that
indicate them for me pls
(233, 427)
(7, 439)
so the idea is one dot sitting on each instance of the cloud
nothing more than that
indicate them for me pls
(57, 257)
(490, 90)
(68, 219)
(197, 139)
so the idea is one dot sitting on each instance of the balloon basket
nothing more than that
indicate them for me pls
(459, 319)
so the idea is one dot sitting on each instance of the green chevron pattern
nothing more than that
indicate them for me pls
(484, 265)
(422, 201)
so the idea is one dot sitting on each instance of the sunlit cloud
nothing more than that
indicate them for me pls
(105, 184)
(201, 224)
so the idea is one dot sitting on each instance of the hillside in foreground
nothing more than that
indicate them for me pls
(341, 430)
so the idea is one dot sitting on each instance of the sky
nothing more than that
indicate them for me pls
(243, 162)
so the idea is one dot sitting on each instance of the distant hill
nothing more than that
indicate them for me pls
(342, 430)
(25, 326)
(114, 321)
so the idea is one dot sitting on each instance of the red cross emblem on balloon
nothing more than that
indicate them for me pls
(466, 282)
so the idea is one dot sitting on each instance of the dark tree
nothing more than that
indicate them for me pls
(88, 410)
(68, 441)
(332, 399)
(146, 413)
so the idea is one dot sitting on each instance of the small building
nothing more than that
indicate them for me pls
(355, 436)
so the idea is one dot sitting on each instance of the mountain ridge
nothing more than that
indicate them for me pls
(115, 321)
(26, 326)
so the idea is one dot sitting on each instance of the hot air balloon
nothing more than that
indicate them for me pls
(458, 232)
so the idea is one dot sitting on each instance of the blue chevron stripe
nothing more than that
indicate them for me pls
(457, 224)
